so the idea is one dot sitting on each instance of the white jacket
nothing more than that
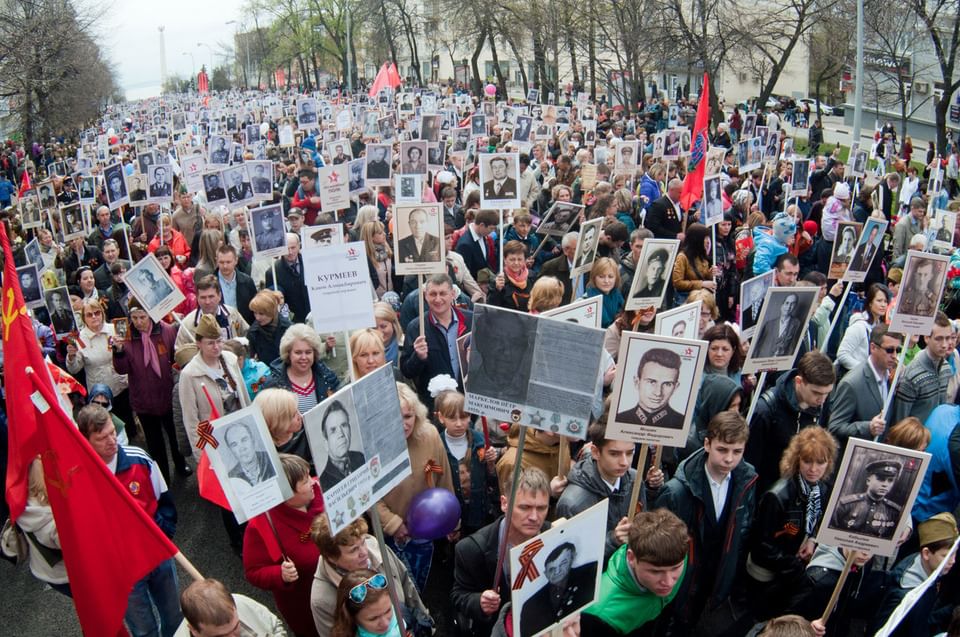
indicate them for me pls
(855, 345)
(252, 615)
(96, 358)
(37, 523)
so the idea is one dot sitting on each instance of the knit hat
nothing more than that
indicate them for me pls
(208, 327)
(811, 227)
(942, 526)
(841, 191)
(742, 198)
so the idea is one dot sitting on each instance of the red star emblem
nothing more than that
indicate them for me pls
(334, 178)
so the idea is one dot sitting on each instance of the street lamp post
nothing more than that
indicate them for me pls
(209, 48)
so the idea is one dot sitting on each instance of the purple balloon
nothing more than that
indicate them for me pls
(433, 514)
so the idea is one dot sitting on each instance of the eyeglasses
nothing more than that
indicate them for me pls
(359, 592)
(891, 350)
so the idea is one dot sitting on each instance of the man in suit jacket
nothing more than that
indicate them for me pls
(859, 397)
(664, 218)
(475, 246)
(252, 466)
(567, 589)
(290, 280)
(419, 246)
(779, 335)
(863, 255)
(561, 266)
(237, 288)
(111, 255)
(160, 186)
(79, 254)
(501, 186)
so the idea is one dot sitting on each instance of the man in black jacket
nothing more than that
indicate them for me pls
(475, 568)
(665, 218)
(290, 280)
(560, 267)
(237, 288)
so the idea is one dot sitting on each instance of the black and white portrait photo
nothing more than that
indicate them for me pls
(152, 286)
(522, 128)
(655, 266)
(247, 464)
(625, 156)
(306, 112)
(379, 168)
(336, 432)
(867, 248)
(875, 488)
(116, 185)
(387, 126)
(145, 160)
(499, 180)
(33, 254)
(137, 187)
(436, 155)
(29, 277)
(430, 128)
(942, 229)
(30, 216)
(753, 291)
(261, 173)
(160, 178)
(843, 248)
(269, 235)
(559, 218)
(557, 573)
(239, 190)
(340, 152)
(121, 328)
(587, 247)
(800, 176)
(358, 182)
(921, 288)
(712, 202)
(413, 158)
(71, 222)
(671, 144)
(419, 246)
(783, 322)
(213, 188)
(88, 189)
(478, 125)
(654, 388)
(61, 314)
(219, 151)
(48, 198)
(501, 353)
(409, 188)
(459, 138)
(680, 322)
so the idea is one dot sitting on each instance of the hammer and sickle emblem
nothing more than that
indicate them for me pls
(61, 484)
(11, 312)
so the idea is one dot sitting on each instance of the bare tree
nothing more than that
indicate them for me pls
(941, 19)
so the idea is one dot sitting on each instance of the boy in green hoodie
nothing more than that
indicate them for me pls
(642, 577)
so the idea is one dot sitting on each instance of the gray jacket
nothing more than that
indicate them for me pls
(921, 389)
(855, 401)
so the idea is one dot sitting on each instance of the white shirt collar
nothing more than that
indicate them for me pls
(613, 486)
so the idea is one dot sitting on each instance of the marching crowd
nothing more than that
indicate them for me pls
(724, 539)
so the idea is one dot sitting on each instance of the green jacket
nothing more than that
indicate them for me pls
(622, 604)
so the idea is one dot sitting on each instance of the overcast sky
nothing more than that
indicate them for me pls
(129, 34)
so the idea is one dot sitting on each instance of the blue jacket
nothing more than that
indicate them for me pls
(940, 490)
(766, 250)
(325, 381)
(135, 466)
(650, 189)
(6, 190)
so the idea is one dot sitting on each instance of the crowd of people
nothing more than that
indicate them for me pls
(724, 540)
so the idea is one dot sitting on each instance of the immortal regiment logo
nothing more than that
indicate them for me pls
(699, 150)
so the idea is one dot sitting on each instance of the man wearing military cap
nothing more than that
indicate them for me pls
(870, 512)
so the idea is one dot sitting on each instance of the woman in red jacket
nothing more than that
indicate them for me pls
(278, 554)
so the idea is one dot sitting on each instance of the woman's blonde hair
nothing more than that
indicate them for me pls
(450, 404)
(93, 304)
(362, 340)
(367, 232)
(546, 294)
(412, 401)
(210, 241)
(384, 312)
(279, 408)
(266, 302)
(709, 301)
(813, 444)
(300, 332)
(604, 264)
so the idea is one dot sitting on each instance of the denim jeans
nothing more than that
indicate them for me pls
(156, 594)
(417, 555)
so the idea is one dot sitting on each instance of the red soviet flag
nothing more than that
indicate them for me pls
(90, 507)
(24, 184)
(693, 183)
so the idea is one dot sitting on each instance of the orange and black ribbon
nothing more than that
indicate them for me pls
(430, 468)
(205, 431)
(528, 570)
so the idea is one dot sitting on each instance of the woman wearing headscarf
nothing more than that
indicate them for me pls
(147, 360)
(512, 288)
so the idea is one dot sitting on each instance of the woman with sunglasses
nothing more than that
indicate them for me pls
(278, 555)
(363, 607)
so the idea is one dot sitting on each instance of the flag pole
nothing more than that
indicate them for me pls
(186, 565)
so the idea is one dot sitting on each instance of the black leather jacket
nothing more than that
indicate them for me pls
(778, 530)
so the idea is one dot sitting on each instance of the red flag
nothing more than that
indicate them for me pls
(387, 77)
(203, 83)
(206, 478)
(88, 502)
(24, 184)
(693, 183)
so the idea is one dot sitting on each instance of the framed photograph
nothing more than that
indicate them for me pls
(753, 292)
(533, 95)
(658, 141)
(655, 388)
(379, 165)
(522, 128)
(121, 329)
(557, 573)
(559, 219)
(117, 194)
(586, 312)
(32, 252)
(137, 187)
(239, 190)
(848, 233)
(478, 125)
(261, 179)
(213, 189)
(409, 188)
(538, 370)
(306, 112)
(47, 195)
(418, 240)
(160, 190)
(499, 180)
(680, 322)
(459, 138)
(586, 247)
(29, 277)
(320, 236)
(356, 438)
(413, 158)
(943, 226)
(269, 238)
(749, 126)
(783, 322)
(153, 287)
(62, 317)
(875, 489)
(711, 208)
(430, 128)
(29, 205)
(71, 222)
(387, 127)
(436, 155)
(625, 156)
(857, 162)
(87, 190)
(868, 245)
(653, 273)
(340, 151)
(357, 170)
(671, 144)
(145, 160)
(800, 175)
(219, 151)
(921, 289)
(247, 463)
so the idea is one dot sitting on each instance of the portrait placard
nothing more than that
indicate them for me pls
(924, 276)
(418, 243)
(655, 388)
(247, 464)
(413, 158)
(843, 248)
(239, 189)
(160, 184)
(586, 312)
(29, 205)
(306, 112)
(339, 287)
(868, 245)
(71, 221)
(541, 371)
(62, 317)
(213, 189)
(261, 179)
(625, 156)
(116, 186)
(87, 189)
(944, 223)
(652, 274)
(559, 218)
(379, 165)
(870, 505)
(408, 189)
(267, 234)
(322, 235)
(568, 555)
(153, 287)
(121, 329)
(586, 247)
(753, 292)
(800, 176)
(711, 208)
(680, 322)
(29, 276)
(333, 185)
(783, 322)
(499, 180)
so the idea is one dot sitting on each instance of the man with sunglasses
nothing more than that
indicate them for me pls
(861, 394)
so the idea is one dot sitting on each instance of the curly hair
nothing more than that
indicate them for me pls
(812, 444)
